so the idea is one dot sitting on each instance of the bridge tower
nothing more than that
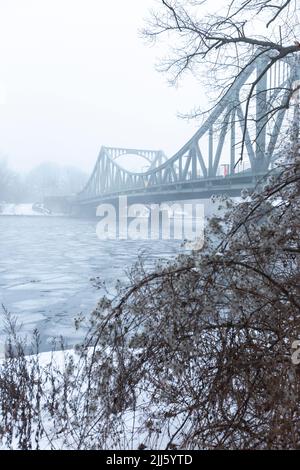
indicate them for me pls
(210, 162)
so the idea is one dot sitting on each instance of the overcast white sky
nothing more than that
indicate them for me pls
(76, 75)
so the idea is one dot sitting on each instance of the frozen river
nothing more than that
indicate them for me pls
(46, 267)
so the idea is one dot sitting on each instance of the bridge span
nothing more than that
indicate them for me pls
(209, 163)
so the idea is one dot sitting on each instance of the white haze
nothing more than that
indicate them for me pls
(75, 75)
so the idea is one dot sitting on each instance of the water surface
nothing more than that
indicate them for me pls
(46, 267)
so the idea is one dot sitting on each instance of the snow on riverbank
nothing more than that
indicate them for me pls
(50, 438)
(48, 430)
(23, 209)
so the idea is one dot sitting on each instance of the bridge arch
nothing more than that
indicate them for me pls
(195, 168)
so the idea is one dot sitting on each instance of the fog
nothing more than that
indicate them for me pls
(76, 75)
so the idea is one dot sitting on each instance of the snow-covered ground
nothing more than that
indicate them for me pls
(20, 209)
(57, 359)
(53, 436)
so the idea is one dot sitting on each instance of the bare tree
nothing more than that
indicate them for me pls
(7, 183)
(227, 42)
(51, 179)
(228, 38)
(193, 354)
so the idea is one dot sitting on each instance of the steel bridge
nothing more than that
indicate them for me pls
(209, 162)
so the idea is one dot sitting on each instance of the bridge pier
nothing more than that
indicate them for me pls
(87, 211)
(59, 205)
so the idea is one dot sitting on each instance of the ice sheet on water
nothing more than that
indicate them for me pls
(34, 304)
(46, 267)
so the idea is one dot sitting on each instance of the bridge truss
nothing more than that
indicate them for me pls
(207, 163)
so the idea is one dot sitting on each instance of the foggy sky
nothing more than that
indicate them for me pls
(75, 75)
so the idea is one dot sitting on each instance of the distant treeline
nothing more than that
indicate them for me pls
(47, 179)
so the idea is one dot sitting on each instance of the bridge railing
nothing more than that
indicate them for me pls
(213, 151)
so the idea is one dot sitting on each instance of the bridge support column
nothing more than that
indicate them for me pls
(232, 144)
(261, 160)
(211, 152)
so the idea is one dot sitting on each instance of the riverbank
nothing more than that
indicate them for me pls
(34, 210)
